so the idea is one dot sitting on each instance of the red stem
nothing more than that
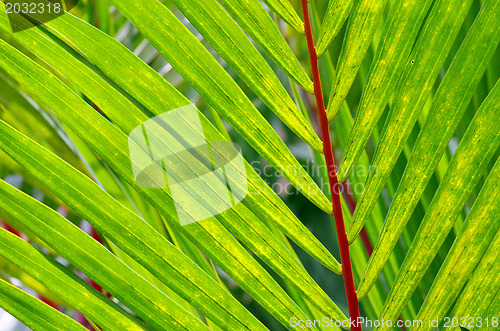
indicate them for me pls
(48, 302)
(345, 258)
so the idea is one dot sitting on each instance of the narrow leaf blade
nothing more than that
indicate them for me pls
(335, 16)
(476, 148)
(32, 312)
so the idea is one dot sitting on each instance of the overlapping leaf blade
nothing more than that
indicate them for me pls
(255, 20)
(264, 200)
(226, 37)
(363, 22)
(478, 231)
(91, 257)
(448, 106)
(127, 116)
(134, 236)
(199, 68)
(469, 161)
(198, 232)
(65, 283)
(398, 37)
(429, 54)
(33, 312)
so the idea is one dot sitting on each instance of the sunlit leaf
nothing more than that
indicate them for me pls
(477, 234)
(414, 89)
(95, 260)
(254, 19)
(363, 22)
(398, 37)
(65, 283)
(335, 16)
(469, 161)
(285, 10)
(448, 107)
(33, 312)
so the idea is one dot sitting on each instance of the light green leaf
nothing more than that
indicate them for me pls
(285, 10)
(32, 312)
(255, 20)
(92, 258)
(226, 37)
(398, 38)
(126, 115)
(144, 243)
(466, 167)
(482, 291)
(202, 71)
(227, 99)
(12, 271)
(477, 233)
(429, 54)
(19, 112)
(363, 22)
(335, 16)
(65, 283)
(202, 233)
(448, 106)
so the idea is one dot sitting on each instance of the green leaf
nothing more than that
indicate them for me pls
(217, 87)
(255, 20)
(32, 312)
(477, 233)
(224, 251)
(398, 38)
(448, 106)
(363, 22)
(12, 271)
(128, 231)
(429, 54)
(127, 116)
(92, 258)
(19, 112)
(491, 311)
(481, 291)
(226, 37)
(335, 16)
(466, 167)
(191, 59)
(65, 283)
(285, 10)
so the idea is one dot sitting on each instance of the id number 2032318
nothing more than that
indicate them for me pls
(33, 8)
(470, 322)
